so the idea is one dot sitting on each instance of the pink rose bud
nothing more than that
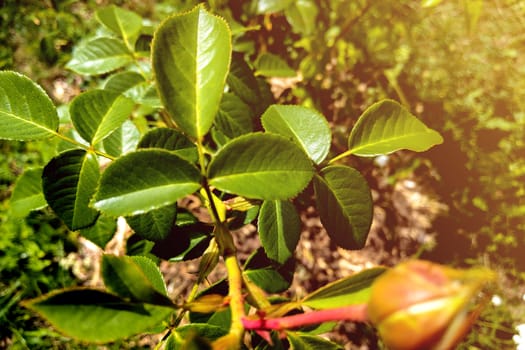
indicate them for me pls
(422, 305)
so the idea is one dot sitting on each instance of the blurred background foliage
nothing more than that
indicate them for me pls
(457, 64)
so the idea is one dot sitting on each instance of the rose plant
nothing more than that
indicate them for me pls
(191, 117)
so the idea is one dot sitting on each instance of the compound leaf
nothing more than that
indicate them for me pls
(386, 127)
(261, 166)
(26, 112)
(191, 57)
(345, 205)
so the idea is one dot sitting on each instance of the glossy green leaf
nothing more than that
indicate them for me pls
(345, 205)
(305, 126)
(69, 181)
(97, 113)
(279, 229)
(123, 140)
(261, 166)
(386, 127)
(171, 140)
(241, 80)
(302, 16)
(154, 225)
(98, 56)
(152, 273)
(271, 6)
(145, 180)
(191, 58)
(96, 316)
(26, 112)
(28, 194)
(123, 81)
(234, 118)
(124, 23)
(101, 232)
(124, 277)
(271, 65)
(300, 341)
(351, 290)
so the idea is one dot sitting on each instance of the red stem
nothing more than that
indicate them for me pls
(347, 313)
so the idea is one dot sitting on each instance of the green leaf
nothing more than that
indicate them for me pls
(152, 273)
(386, 127)
(267, 274)
(234, 118)
(123, 140)
(270, 65)
(305, 126)
(345, 205)
(261, 166)
(124, 23)
(124, 277)
(351, 290)
(95, 316)
(97, 113)
(178, 339)
(123, 81)
(171, 140)
(271, 6)
(101, 232)
(26, 112)
(69, 181)
(27, 194)
(191, 57)
(242, 81)
(99, 56)
(154, 225)
(302, 16)
(300, 341)
(279, 229)
(145, 180)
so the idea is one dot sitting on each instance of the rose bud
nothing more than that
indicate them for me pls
(422, 305)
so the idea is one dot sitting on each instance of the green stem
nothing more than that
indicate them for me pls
(87, 148)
